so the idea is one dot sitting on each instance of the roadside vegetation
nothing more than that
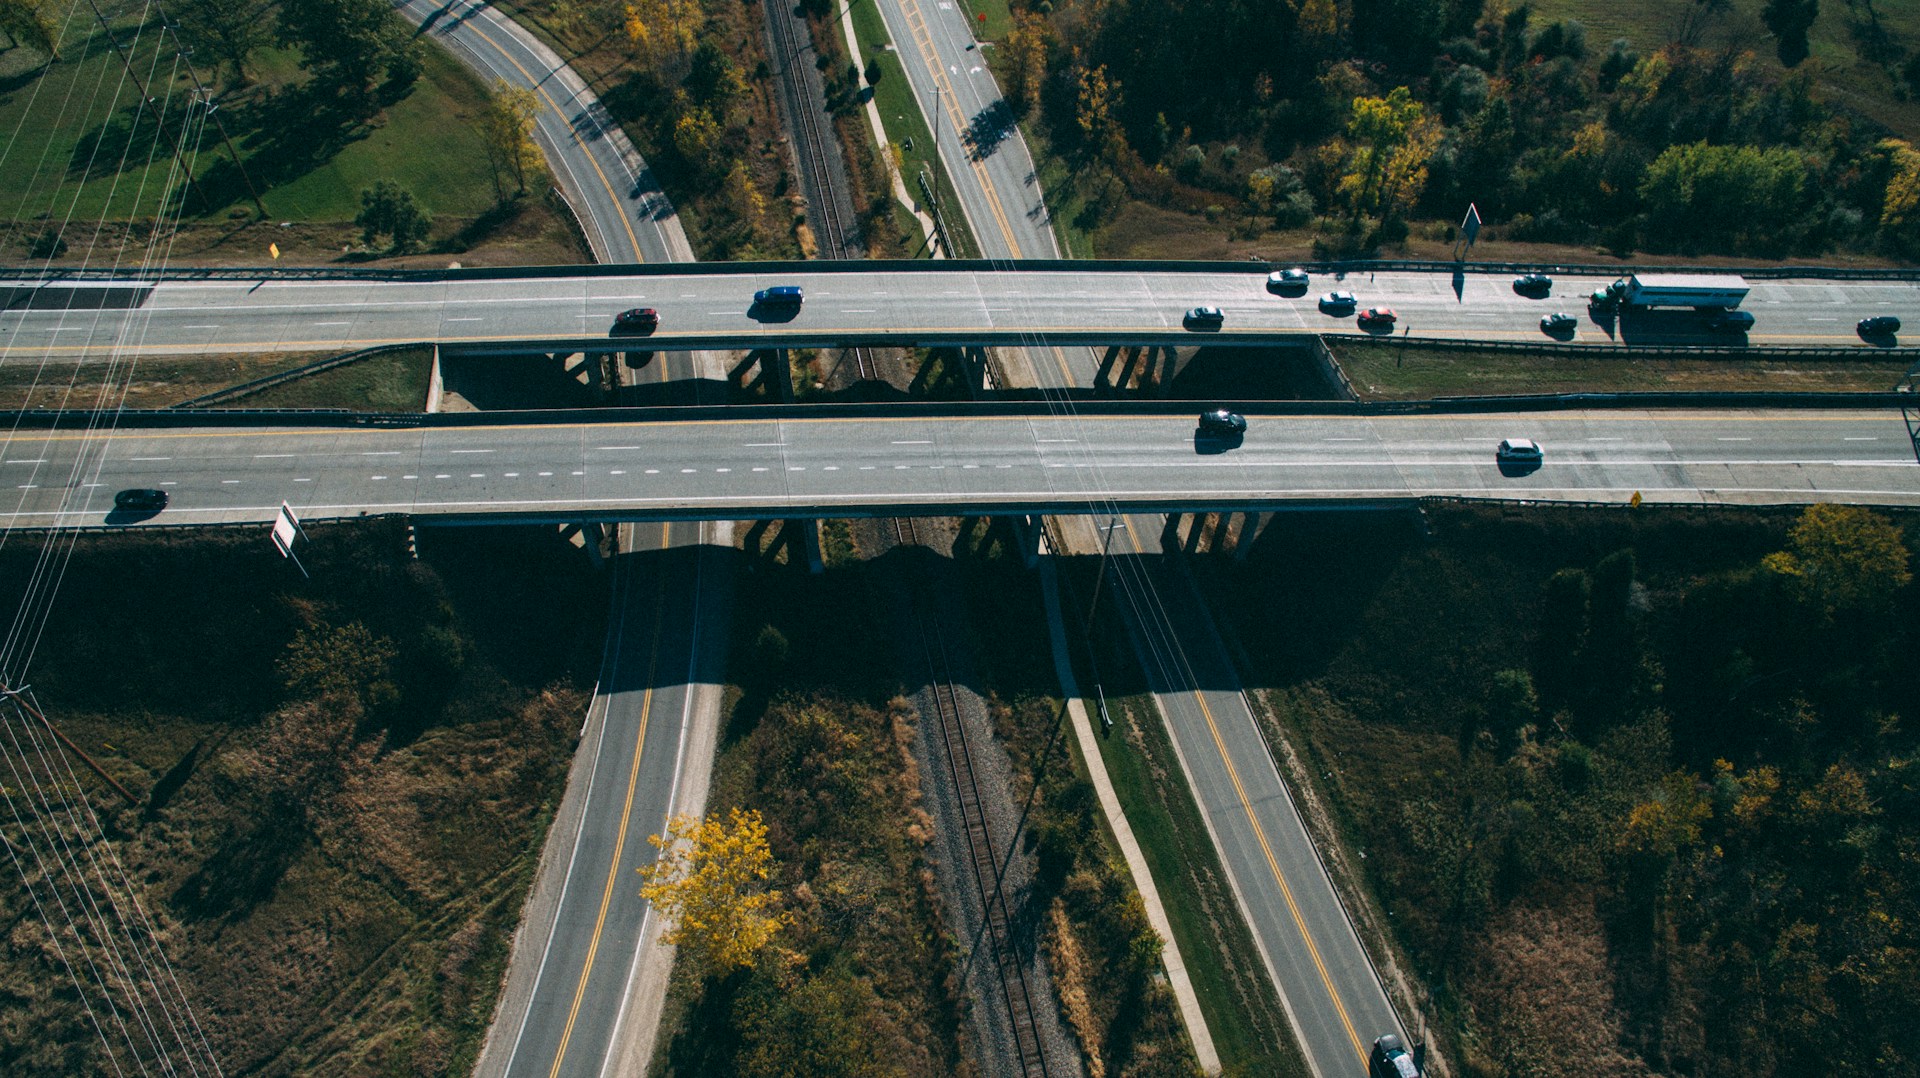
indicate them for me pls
(155, 381)
(860, 977)
(1731, 128)
(388, 382)
(344, 782)
(1395, 372)
(321, 118)
(1631, 788)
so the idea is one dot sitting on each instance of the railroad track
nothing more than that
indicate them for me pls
(983, 863)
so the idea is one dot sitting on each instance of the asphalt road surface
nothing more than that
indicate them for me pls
(271, 315)
(749, 468)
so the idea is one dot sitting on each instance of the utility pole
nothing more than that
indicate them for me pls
(213, 110)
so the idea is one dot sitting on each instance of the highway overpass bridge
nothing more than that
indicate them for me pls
(925, 303)
(876, 462)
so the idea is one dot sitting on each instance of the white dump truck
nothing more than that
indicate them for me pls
(1701, 291)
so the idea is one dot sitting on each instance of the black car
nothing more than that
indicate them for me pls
(1558, 322)
(1221, 421)
(1390, 1059)
(1533, 284)
(1880, 325)
(140, 500)
(637, 320)
(1731, 322)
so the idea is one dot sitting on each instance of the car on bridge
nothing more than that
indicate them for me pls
(140, 500)
(1533, 284)
(1880, 325)
(1205, 318)
(1339, 302)
(1378, 316)
(1731, 322)
(1557, 323)
(638, 320)
(1519, 451)
(1288, 280)
(1223, 422)
(780, 295)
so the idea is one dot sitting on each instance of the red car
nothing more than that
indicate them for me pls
(1378, 316)
(637, 320)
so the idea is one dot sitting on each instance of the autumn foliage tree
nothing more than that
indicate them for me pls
(1390, 141)
(709, 882)
(506, 129)
(1843, 557)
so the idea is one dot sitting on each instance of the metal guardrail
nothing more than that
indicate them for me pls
(45, 418)
(920, 265)
(1630, 351)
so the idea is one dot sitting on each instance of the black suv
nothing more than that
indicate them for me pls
(1223, 422)
(1880, 325)
(140, 500)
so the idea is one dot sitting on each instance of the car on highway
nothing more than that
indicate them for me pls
(140, 500)
(780, 295)
(1390, 1059)
(1378, 316)
(636, 320)
(1533, 284)
(1558, 322)
(1519, 451)
(1287, 280)
(1880, 325)
(1731, 322)
(1205, 318)
(1339, 302)
(1222, 421)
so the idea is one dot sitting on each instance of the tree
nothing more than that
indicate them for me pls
(664, 29)
(1789, 20)
(1097, 115)
(708, 883)
(227, 31)
(348, 45)
(1900, 204)
(1391, 140)
(26, 22)
(387, 209)
(1026, 51)
(1701, 193)
(506, 129)
(1843, 557)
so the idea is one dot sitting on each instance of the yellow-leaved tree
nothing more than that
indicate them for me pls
(1843, 557)
(506, 130)
(709, 882)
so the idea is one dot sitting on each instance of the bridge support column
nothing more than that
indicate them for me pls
(1169, 363)
(780, 372)
(1195, 532)
(800, 539)
(587, 536)
(1031, 534)
(1127, 369)
(1249, 531)
(1103, 378)
(979, 371)
(806, 538)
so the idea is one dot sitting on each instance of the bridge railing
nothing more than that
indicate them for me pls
(966, 265)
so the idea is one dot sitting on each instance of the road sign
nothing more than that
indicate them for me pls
(286, 533)
(1471, 226)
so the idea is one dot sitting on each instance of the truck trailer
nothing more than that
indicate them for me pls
(1701, 291)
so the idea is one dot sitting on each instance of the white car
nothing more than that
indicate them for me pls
(1287, 280)
(1519, 451)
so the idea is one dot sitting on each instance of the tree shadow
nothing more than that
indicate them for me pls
(245, 871)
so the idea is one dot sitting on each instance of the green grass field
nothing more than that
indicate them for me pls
(1389, 372)
(389, 382)
(78, 146)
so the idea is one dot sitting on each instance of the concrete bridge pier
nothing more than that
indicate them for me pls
(979, 370)
(773, 372)
(800, 539)
(588, 536)
(1103, 378)
(1249, 531)
(1030, 534)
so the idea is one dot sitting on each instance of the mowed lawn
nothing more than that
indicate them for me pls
(75, 145)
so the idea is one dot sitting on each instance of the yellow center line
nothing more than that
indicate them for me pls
(620, 840)
(539, 87)
(923, 40)
(1273, 864)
